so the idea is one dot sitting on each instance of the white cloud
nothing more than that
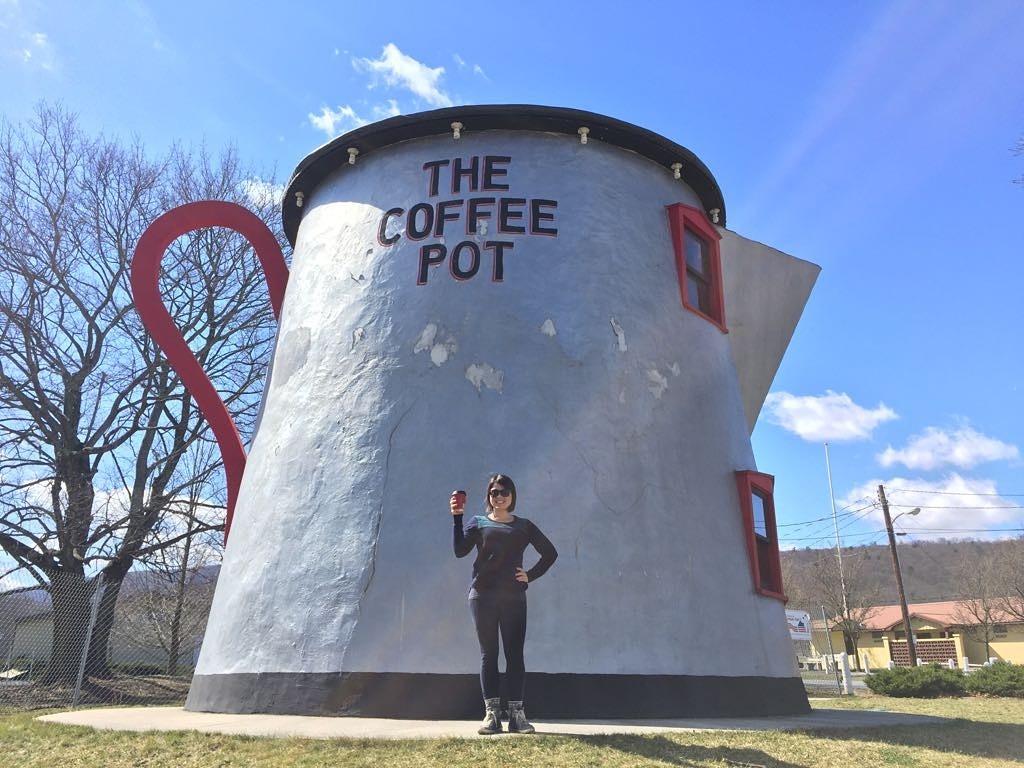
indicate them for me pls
(395, 68)
(262, 193)
(381, 111)
(477, 69)
(829, 417)
(21, 40)
(14, 577)
(140, 19)
(335, 121)
(954, 507)
(963, 448)
(38, 52)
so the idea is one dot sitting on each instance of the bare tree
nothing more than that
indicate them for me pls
(168, 608)
(798, 585)
(981, 581)
(168, 605)
(851, 607)
(1009, 564)
(94, 425)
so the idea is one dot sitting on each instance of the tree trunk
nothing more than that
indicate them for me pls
(69, 595)
(856, 651)
(174, 649)
(98, 664)
(179, 605)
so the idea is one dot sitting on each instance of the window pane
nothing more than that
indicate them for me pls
(696, 253)
(760, 528)
(698, 293)
(693, 291)
(764, 565)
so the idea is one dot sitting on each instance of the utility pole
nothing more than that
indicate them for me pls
(911, 650)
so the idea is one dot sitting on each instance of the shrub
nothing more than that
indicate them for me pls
(999, 679)
(926, 682)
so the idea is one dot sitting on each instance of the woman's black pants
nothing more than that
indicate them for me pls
(503, 613)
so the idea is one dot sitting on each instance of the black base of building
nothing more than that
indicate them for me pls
(457, 697)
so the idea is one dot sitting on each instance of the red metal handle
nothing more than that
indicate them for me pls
(157, 320)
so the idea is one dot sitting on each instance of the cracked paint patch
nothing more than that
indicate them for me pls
(482, 375)
(620, 335)
(439, 354)
(439, 351)
(675, 369)
(548, 328)
(426, 339)
(657, 383)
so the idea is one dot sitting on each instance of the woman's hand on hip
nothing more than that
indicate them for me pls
(521, 576)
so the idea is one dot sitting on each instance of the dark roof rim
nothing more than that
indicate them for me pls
(317, 165)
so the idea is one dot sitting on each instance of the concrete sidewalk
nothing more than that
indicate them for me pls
(177, 719)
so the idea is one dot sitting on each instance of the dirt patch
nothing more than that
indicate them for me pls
(18, 696)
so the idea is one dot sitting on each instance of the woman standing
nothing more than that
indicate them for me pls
(497, 595)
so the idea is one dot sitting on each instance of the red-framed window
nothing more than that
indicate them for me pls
(698, 264)
(757, 503)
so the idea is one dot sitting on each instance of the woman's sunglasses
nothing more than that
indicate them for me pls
(496, 492)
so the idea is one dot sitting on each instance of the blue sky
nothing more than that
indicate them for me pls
(874, 139)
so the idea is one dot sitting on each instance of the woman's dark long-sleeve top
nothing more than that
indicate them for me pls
(500, 548)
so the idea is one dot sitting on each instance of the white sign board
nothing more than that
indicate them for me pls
(799, 624)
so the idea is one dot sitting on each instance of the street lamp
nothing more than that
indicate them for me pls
(911, 649)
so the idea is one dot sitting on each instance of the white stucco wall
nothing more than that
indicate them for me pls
(761, 282)
(620, 416)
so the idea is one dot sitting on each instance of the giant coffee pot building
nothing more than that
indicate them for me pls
(543, 292)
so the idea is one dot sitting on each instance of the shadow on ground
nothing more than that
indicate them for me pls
(667, 750)
(1004, 741)
(967, 738)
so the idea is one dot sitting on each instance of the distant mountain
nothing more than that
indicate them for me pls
(16, 604)
(932, 570)
(19, 604)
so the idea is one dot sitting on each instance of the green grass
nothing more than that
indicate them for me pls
(981, 732)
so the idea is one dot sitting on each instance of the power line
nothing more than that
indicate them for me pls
(953, 493)
(846, 525)
(914, 532)
(987, 506)
(815, 539)
(820, 519)
(847, 513)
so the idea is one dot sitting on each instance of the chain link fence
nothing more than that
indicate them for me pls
(84, 640)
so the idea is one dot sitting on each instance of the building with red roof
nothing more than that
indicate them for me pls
(978, 630)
